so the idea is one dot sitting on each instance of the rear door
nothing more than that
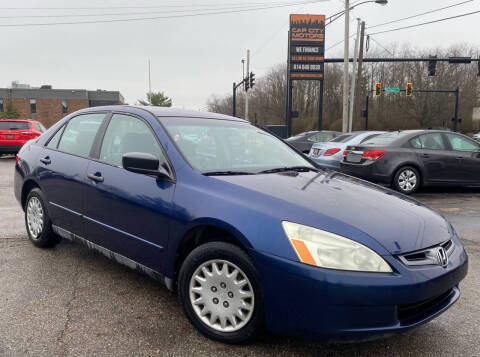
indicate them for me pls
(466, 153)
(434, 156)
(62, 169)
(127, 212)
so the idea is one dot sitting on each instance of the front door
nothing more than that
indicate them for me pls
(127, 212)
(467, 154)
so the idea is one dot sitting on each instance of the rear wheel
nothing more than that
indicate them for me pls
(220, 292)
(407, 180)
(37, 221)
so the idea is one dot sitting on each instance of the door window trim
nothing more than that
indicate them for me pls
(101, 136)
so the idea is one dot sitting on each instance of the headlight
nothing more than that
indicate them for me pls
(327, 250)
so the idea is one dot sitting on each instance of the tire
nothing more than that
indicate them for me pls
(407, 180)
(221, 293)
(37, 221)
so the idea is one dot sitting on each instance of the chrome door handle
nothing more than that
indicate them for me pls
(97, 177)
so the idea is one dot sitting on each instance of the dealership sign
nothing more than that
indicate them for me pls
(307, 46)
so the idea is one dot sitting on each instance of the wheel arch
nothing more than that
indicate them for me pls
(412, 164)
(203, 231)
(27, 186)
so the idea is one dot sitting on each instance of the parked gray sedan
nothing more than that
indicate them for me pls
(329, 154)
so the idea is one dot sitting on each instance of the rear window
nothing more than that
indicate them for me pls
(385, 139)
(342, 138)
(14, 125)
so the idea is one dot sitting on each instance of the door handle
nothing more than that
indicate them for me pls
(459, 157)
(426, 155)
(46, 160)
(97, 177)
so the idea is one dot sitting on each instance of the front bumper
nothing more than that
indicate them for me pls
(351, 306)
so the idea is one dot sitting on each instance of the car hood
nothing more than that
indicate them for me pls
(350, 207)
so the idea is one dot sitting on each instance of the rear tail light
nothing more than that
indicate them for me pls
(344, 152)
(373, 154)
(331, 151)
(16, 158)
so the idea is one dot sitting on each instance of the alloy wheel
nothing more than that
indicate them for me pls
(35, 217)
(221, 295)
(407, 180)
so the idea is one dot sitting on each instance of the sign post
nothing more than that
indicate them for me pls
(306, 56)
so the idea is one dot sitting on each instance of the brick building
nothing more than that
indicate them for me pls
(49, 105)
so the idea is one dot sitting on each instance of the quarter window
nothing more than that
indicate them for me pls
(128, 134)
(53, 143)
(80, 133)
(432, 141)
(460, 143)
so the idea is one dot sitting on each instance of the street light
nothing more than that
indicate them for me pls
(346, 54)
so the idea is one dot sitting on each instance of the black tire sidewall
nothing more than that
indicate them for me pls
(46, 238)
(397, 175)
(235, 255)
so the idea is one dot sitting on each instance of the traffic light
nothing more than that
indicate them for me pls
(409, 90)
(246, 83)
(252, 79)
(432, 65)
(378, 89)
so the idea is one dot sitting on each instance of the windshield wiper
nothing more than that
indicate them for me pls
(289, 168)
(226, 173)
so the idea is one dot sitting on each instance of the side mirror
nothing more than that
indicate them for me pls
(144, 163)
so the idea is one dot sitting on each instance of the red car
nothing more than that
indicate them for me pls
(14, 133)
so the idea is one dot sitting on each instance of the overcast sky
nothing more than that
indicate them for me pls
(192, 57)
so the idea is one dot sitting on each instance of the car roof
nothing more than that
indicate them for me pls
(168, 112)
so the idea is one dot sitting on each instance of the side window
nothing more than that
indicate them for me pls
(460, 143)
(53, 143)
(80, 133)
(432, 141)
(128, 134)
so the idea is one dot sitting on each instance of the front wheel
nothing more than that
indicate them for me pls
(220, 292)
(407, 180)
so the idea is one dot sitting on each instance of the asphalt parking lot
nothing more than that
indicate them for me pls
(69, 301)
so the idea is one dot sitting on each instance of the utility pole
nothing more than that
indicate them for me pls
(455, 119)
(246, 92)
(354, 77)
(346, 59)
(149, 83)
(234, 100)
(360, 84)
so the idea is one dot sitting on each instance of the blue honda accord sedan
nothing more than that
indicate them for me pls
(246, 229)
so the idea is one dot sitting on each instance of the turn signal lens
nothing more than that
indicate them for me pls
(331, 151)
(373, 154)
(16, 158)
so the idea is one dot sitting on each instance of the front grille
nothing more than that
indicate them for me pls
(427, 256)
(408, 312)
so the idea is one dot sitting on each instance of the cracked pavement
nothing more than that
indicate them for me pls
(69, 301)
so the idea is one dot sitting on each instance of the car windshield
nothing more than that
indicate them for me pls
(342, 138)
(385, 139)
(230, 147)
(14, 125)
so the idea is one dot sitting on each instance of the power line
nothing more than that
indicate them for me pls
(128, 13)
(427, 23)
(143, 7)
(378, 43)
(159, 17)
(420, 14)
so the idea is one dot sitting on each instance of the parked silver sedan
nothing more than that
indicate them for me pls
(329, 154)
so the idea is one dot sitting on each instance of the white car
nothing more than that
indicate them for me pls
(477, 136)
